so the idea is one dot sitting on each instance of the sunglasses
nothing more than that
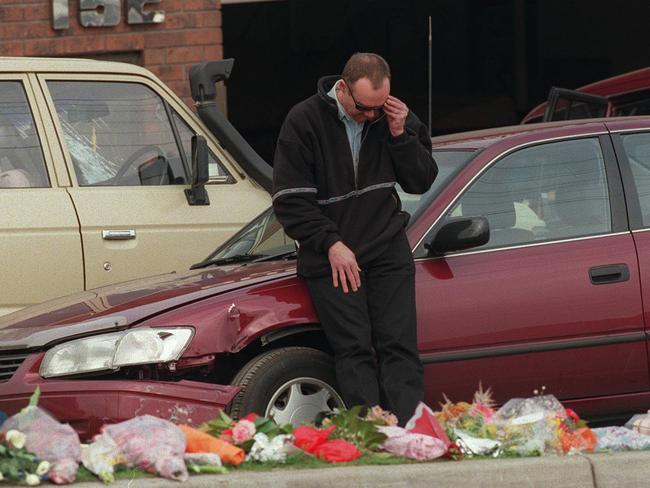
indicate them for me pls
(361, 107)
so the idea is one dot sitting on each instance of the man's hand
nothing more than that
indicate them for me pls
(344, 266)
(396, 112)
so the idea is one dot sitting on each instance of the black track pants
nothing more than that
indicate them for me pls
(379, 317)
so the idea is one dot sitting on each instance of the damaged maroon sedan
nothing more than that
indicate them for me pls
(531, 271)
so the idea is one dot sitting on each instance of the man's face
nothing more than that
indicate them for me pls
(363, 102)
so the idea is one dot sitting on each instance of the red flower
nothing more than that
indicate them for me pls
(572, 415)
(337, 451)
(309, 438)
(251, 416)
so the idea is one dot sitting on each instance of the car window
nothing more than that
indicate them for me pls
(449, 163)
(21, 158)
(637, 148)
(117, 134)
(636, 104)
(546, 192)
(216, 170)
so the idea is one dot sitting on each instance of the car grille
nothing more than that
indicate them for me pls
(9, 363)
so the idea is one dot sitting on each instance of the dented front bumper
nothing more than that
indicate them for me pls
(87, 404)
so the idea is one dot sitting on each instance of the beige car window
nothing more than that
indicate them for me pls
(215, 168)
(21, 158)
(118, 134)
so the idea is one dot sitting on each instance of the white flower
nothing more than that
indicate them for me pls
(32, 480)
(276, 449)
(1, 477)
(43, 468)
(16, 438)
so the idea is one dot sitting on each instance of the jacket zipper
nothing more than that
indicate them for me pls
(363, 138)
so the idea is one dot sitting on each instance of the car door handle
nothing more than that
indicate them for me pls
(611, 273)
(118, 235)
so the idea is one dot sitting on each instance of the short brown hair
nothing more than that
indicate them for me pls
(366, 65)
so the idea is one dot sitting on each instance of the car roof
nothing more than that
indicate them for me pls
(479, 139)
(67, 65)
(622, 84)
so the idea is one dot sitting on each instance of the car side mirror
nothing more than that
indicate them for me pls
(459, 233)
(196, 194)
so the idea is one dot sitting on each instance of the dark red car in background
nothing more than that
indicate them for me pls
(623, 95)
(532, 253)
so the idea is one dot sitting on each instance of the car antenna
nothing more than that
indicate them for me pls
(429, 65)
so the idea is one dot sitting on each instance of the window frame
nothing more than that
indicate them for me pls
(228, 179)
(617, 205)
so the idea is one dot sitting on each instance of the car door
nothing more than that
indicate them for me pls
(40, 245)
(552, 302)
(127, 149)
(632, 143)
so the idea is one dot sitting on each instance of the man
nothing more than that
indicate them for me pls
(338, 158)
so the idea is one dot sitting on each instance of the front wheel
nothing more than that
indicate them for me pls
(291, 385)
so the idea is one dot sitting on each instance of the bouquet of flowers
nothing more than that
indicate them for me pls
(242, 432)
(18, 464)
(473, 418)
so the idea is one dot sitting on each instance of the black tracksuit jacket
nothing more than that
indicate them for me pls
(315, 195)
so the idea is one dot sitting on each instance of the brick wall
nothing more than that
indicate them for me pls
(190, 33)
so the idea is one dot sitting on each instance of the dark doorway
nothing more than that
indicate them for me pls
(493, 60)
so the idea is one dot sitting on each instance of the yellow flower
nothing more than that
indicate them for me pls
(16, 438)
(43, 468)
(32, 480)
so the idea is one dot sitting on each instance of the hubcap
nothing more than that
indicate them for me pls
(300, 400)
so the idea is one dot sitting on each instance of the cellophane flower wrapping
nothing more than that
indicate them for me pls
(101, 456)
(421, 447)
(541, 425)
(152, 444)
(49, 440)
(620, 439)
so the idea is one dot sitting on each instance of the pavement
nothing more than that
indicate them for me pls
(601, 470)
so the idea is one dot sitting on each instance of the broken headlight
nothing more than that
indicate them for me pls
(112, 351)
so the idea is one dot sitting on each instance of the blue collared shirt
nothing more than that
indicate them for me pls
(353, 129)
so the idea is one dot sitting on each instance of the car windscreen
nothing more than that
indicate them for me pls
(264, 236)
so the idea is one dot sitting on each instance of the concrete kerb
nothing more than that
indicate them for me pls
(542, 472)
(621, 469)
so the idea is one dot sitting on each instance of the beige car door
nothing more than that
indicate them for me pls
(40, 244)
(130, 171)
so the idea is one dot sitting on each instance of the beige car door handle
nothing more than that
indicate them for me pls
(118, 235)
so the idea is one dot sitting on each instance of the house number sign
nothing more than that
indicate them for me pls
(106, 13)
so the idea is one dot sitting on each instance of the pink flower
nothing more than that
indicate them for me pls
(484, 410)
(243, 431)
(380, 416)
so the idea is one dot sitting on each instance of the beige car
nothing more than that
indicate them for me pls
(96, 179)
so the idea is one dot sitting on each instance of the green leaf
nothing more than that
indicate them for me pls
(33, 401)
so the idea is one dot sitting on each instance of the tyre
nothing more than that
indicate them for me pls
(290, 385)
